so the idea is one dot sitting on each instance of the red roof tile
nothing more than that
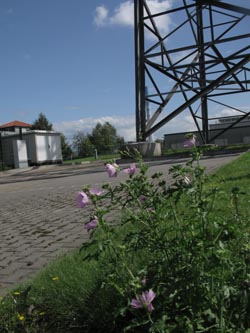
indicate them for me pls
(15, 123)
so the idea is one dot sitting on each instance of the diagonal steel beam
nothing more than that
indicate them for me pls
(220, 4)
(202, 93)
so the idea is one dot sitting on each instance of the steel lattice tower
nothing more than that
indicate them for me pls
(190, 66)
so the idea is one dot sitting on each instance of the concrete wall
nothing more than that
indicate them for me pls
(48, 148)
(20, 153)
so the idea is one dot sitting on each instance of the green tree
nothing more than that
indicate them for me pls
(105, 139)
(42, 123)
(66, 149)
(82, 144)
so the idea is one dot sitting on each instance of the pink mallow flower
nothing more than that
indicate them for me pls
(95, 191)
(190, 142)
(82, 199)
(131, 170)
(92, 224)
(112, 169)
(144, 300)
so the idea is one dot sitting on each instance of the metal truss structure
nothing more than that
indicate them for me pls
(192, 59)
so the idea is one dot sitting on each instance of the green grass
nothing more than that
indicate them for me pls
(92, 159)
(59, 293)
(234, 177)
(67, 295)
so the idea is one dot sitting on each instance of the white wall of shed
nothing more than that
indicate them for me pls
(48, 148)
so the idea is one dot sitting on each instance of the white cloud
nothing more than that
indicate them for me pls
(230, 111)
(101, 16)
(163, 22)
(125, 126)
(123, 14)
(181, 123)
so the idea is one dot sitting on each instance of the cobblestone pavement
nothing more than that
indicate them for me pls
(39, 218)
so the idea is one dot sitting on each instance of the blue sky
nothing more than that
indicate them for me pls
(73, 60)
(56, 59)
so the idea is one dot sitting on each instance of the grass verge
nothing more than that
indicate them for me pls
(92, 159)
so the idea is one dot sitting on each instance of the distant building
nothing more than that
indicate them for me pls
(15, 126)
(21, 147)
(224, 122)
(238, 134)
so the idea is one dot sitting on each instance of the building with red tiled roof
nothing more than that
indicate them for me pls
(14, 126)
(20, 146)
